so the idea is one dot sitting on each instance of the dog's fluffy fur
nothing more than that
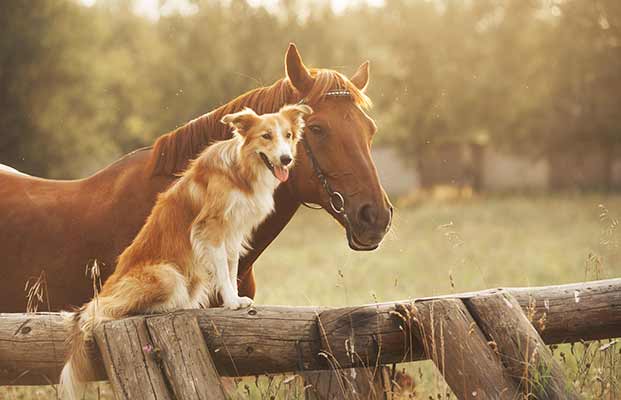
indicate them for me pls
(186, 254)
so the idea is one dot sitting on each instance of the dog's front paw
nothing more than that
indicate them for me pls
(239, 302)
(245, 302)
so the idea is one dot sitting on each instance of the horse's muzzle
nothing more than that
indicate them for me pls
(369, 227)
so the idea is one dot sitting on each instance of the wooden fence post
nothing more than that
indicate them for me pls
(130, 362)
(337, 331)
(158, 357)
(460, 351)
(527, 358)
(186, 360)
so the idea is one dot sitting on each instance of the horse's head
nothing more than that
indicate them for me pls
(338, 138)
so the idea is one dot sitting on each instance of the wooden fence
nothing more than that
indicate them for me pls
(487, 345)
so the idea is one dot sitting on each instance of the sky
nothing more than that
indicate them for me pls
(151, 9)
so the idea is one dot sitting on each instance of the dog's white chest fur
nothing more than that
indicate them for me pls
(246, 211)
(243, 213)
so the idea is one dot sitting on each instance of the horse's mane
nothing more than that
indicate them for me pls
(172, 151)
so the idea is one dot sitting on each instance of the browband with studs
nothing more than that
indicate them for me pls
(339, 93)
(334, 93)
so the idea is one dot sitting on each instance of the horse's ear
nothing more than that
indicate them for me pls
(297, 73)
(242, 121)
(361, 77)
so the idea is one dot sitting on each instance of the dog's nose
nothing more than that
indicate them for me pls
(285, 159)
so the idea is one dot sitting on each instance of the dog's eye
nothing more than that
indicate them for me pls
(316, 129)
(289, 134)
(267, 136)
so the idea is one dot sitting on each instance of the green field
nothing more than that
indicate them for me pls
(443, 247)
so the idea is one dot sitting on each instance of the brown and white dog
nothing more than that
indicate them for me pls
(186, 254)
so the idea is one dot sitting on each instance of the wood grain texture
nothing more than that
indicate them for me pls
(573, 312)
(184, 357)
(527, 359)
(130, 362)
(277, 339)
(582, 311)
(261, 340)
(458, 348)
(33, 348)
(350, 334)
(348, 384)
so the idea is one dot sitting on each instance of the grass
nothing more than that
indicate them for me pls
(440, 247)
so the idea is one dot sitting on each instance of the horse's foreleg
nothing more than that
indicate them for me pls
(246, 281)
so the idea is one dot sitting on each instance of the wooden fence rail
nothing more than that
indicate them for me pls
(286, 339)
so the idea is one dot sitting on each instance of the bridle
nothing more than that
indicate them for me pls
(337, 201)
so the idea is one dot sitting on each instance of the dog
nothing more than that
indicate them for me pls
(186, 254)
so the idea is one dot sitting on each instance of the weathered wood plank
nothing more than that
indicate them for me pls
(458, 348)
(361, 336)
(339, 330)
(348, 383)
(567, 308)
(185, 358)
(130, 361)
(528, 360)
(274, 339)
(581, 311)
(33, 348)
(262, 339)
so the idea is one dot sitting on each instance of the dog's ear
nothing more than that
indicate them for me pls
(295, 113)
(242, 121)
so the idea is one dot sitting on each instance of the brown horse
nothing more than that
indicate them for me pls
(61, 226)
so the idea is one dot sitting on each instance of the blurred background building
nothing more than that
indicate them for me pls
(497, 171)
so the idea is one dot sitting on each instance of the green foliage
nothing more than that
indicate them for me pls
(79, 86)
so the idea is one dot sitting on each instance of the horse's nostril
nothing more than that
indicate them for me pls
(285, 159)
(390, 216)
(367, 214)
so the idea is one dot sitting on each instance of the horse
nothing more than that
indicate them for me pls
(54, 230)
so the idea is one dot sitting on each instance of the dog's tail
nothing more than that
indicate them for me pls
(78, 368)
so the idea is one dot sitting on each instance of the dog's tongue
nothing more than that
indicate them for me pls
(282, 174)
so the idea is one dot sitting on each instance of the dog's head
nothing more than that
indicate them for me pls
(272, 138)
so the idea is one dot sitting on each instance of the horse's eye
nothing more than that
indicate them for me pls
(289, 134)
(315, 129)
(267, 136)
